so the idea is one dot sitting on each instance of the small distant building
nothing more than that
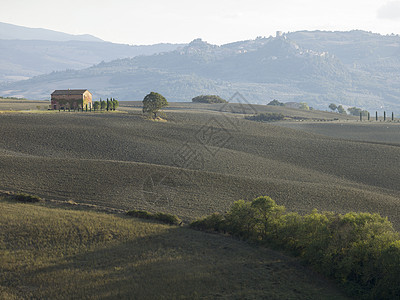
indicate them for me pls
(71, 99)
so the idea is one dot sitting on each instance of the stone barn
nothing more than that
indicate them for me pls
(71, 99)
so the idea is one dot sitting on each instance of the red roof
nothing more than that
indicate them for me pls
(68, 92)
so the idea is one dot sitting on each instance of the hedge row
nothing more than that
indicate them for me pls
(359, 250)
(209, 99)
(22, 197)
(266, 117)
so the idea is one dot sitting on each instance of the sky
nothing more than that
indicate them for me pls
(215, 21)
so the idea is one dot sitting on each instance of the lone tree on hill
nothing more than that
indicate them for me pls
(153, 102)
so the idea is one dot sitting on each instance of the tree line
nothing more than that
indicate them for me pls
(108, 105)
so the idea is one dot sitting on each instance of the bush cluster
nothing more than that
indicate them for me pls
(162, 217)
(276, 103)
(22, 197)
(209, 99)
(355, 111)
(359, 250)
(266, 117)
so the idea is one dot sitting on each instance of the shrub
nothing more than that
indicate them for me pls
(266, 117)
(22, 197)
(167, 218)
(209, 99)
(162, 217)
(139, 214)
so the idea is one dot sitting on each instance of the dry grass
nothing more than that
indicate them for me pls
(7, 105)
(50, 253)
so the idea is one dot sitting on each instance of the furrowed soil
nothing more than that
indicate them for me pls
(201, 160)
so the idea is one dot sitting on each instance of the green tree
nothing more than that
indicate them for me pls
(103, 104)
(115, 104)
(333, 106)
(153, 102)
(341, 110)
(96, 105)
(276, 103)
(240, 220)
(304, 106)
(355, 111)
(266, 215)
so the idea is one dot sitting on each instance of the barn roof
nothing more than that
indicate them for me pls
(68, 92)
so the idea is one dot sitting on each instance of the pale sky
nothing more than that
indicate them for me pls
(215, 21)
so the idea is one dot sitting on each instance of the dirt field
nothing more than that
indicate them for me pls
(200, 161)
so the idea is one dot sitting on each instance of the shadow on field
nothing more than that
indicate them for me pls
(184, 263)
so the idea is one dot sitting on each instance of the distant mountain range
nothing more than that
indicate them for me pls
(27, 52)
(355, 68)
(15, 32)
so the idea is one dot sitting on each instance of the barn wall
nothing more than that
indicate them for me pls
(72, 101)
(87, 99)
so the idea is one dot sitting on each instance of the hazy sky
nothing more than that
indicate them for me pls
(216, 21)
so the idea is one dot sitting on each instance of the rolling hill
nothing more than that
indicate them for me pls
(353, 68)
(69, 253)
(199, 162)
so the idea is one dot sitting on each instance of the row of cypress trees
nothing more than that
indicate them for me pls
(108, 105)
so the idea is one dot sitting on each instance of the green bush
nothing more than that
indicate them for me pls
(209, 99)
(266, 117)
(167, 218)
(276, 103)
(162, 217)
(139, 214)
(359, 250)
(22, 197)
